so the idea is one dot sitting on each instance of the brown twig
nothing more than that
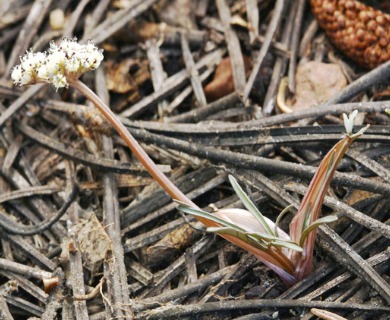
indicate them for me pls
(12, 227)
(279, 7)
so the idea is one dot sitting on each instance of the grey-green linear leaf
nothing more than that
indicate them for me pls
(250, 205)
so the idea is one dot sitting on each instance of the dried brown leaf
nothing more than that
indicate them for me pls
(118, 78)
(316, 82)
(92, 241)
(222, 83)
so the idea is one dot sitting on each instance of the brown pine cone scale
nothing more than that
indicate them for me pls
(361, 32)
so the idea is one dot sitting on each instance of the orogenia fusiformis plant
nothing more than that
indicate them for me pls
(290, 256)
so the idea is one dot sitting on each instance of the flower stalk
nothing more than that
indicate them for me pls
(62, 65)
(132, 143)
(310, 208)
(290, 256)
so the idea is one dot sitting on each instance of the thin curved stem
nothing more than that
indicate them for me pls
(275, 259)
(142, 156)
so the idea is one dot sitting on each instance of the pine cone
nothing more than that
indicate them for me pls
(359, 31)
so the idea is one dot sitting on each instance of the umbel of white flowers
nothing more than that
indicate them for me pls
(57, 64)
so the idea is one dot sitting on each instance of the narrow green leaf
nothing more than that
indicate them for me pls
(307, 217)
(287, 244)
(200, 213)
(241, 235)
(261, 239)
(276, 241)
(360, 132)
(280, 216)
(314, 225)
(260, 235)
(250, 205)
(330, 162)
(347, 124)
(258, 240)
(225, 230)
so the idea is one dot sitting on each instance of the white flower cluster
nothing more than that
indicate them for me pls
(61, 61)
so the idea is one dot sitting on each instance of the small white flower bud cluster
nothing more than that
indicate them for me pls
(61, 61)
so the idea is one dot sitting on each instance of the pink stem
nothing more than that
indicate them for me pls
(276, 260)
(142, 156)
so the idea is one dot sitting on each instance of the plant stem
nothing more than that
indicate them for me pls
(138, 151)
(273, 258)
(310, 207)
